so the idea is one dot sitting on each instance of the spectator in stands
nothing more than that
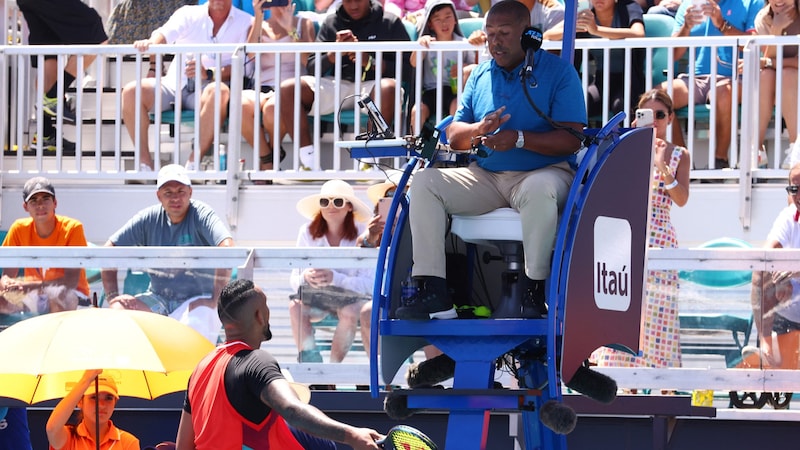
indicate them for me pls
(337, 219)
(325, 6)
(214, 22)
(238, 397)
(96, 407)
(528, 164)
(282, 26)
(545, 15)
(726, 18)
(774, 297)
(661, 324)
(177, 220)
(60, 22)
(439, 25)
(64, 289)
(132, 20)
(371, 237)
(666, 7)
(778, 19)
(610, 19)
(404, 9)
(414, 10)
(353, 21)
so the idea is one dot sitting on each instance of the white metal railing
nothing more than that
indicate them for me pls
(111, 71)
(252, 260)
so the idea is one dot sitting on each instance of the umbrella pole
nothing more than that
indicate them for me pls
(96, 413)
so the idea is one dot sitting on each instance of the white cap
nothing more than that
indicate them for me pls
(172, 172)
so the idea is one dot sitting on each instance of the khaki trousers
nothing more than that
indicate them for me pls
(538, 195)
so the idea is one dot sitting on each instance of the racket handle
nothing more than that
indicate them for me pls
(380, 442)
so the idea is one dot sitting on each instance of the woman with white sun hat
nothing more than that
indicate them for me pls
(337, 217)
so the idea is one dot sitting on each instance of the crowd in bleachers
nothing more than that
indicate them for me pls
(610, 87)
(278, 102)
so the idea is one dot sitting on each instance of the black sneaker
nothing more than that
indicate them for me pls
(721, 163)
(50, 107)
(430, 302)
(534, 301)
(49, 144)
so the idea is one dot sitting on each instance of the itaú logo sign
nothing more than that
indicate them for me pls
(612, 263)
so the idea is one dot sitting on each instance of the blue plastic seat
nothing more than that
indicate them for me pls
(659, 25)
(720, 278)
(470, 24)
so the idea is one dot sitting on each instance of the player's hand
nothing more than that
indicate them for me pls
(364, 439)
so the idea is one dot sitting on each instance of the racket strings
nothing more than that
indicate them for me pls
(402, 440)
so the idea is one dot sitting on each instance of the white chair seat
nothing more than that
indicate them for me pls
(502, 224)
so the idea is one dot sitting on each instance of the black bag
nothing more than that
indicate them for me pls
(328, 298)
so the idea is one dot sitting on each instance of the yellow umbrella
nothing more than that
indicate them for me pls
(147, 354)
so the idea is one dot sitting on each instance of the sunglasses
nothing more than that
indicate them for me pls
(661, 115)
(337, 202)
(792, 189)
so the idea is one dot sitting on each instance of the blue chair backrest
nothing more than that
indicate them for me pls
(659, 25)
(470, 24)
(411, 29)
(720, 278)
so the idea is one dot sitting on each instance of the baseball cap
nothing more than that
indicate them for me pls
(104, 384)
(36, 185)
(172, 172)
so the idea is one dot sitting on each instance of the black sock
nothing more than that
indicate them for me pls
(68, 79)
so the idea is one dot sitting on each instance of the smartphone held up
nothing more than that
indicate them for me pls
(274, 3)
(644, 118)
(383, 208)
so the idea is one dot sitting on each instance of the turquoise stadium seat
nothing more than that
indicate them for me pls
(411, 29)
(659, 25)
(468, 25)
(168, 116)
(720, 278)
(304, 5)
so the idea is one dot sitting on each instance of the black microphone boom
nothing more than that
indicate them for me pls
(531, 41)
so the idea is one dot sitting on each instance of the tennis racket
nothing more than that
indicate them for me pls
(403, 437)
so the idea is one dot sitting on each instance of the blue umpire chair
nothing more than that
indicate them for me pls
(592, 232)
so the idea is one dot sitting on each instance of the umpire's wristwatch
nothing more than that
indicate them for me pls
(520, 139)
